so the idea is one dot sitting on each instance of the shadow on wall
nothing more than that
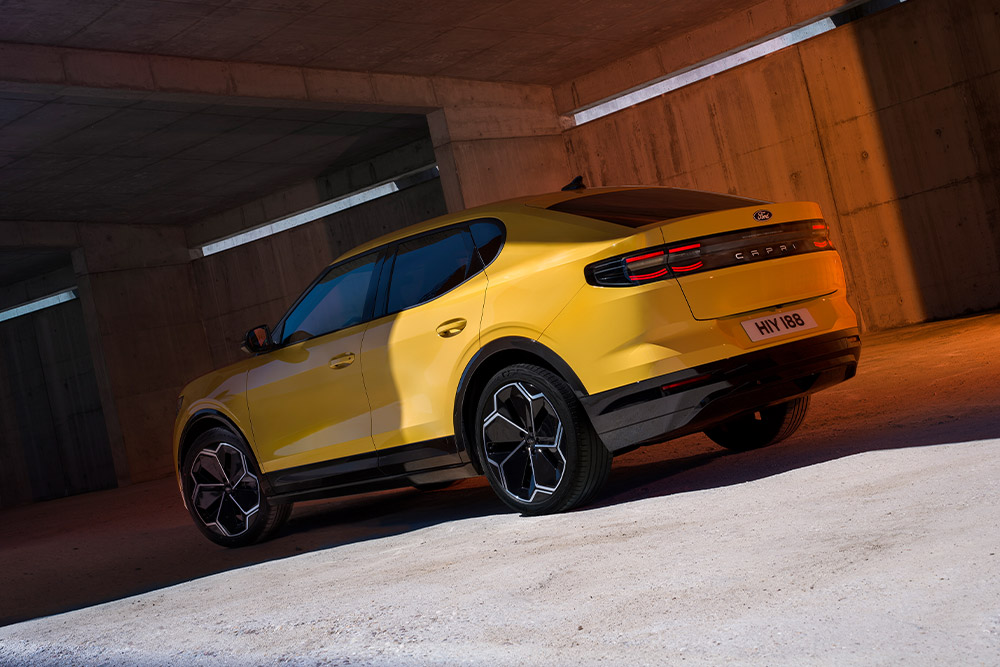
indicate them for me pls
(915, 155)
(53, 437)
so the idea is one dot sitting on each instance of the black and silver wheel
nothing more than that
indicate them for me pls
(763, 427)
(223, 491)
(537, 446)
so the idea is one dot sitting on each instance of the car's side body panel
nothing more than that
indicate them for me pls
(308, 403)
(217, 398)
(411, 370)
(541, 269)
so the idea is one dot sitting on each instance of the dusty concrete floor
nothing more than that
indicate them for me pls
(870, 537)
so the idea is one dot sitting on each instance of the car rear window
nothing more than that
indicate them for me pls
(644, 206)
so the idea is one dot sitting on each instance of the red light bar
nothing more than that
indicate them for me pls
(629, 260)
(689, 267)
(693, 246)
(821, 244)
(648, 276)
(819, 226)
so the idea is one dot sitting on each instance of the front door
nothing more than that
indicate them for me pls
(307, 399)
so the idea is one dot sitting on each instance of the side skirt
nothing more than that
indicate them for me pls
(425, 462)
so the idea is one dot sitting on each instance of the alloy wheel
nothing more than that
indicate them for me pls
(225, 494)
(523, 438)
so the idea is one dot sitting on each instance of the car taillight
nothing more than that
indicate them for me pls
(718, 251)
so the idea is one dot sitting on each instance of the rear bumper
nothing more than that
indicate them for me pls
(691, 400)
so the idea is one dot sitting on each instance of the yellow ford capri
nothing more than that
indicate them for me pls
(530, 341)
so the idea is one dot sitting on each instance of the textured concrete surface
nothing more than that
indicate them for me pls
(871, 536)
(53, 441)
(497, 40)
(110, 159)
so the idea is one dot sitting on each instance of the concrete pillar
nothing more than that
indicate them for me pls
(496, 143)
(140, 306)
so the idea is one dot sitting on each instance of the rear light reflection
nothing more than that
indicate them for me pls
(683, 383)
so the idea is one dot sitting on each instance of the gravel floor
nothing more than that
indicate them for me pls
(871, 537)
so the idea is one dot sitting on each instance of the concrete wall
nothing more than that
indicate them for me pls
(53, 440)
(326, 186)
(497, 142)
(891, 123)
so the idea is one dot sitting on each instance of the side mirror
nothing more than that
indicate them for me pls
(257, 340)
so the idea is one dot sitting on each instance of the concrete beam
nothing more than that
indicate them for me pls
(38, 234)
(49, 68)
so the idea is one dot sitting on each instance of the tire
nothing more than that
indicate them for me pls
(223, 491)
(537, 446)
(762, 428)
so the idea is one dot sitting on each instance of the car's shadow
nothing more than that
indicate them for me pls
(701, 465)
(153, 545)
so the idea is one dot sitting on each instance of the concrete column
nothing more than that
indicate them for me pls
(497, 143)
(137, 289)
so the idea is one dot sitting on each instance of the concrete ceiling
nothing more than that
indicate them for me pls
(525, 41)
(120, 160)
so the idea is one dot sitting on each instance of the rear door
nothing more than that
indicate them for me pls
(414, 354)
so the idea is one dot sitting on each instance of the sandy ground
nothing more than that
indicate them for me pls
(870, 537)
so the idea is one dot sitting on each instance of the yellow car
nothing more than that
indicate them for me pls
(530, 341)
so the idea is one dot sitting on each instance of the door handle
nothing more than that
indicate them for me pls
(451, 327)
(342, 360)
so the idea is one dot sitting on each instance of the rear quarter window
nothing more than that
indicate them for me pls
(427, 266)
(489, 237)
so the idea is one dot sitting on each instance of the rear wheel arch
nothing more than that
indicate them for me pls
(490, 359)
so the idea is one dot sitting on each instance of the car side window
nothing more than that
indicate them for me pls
(336, 301)
(428, 266)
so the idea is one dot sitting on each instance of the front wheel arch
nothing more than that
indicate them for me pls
(205, 420)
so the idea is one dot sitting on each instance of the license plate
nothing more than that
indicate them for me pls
(778, 324)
